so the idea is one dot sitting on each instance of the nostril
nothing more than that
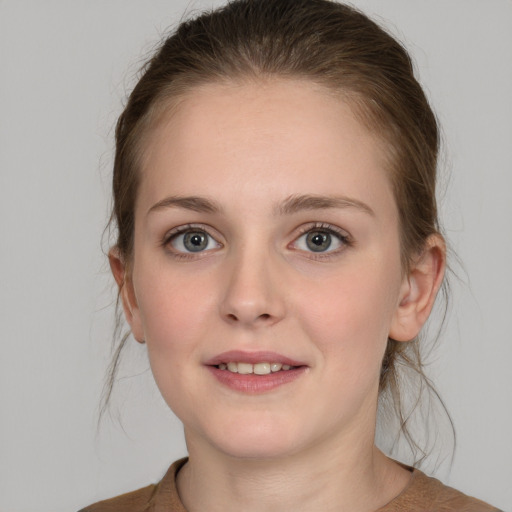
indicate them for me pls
(234, 318)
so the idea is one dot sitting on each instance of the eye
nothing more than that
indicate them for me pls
(321, 240)
(192, 240)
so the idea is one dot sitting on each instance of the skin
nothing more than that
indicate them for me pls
(250, 148)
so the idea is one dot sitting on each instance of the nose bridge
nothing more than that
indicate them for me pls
(252, 293)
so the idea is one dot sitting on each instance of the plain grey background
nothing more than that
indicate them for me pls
(65, 68)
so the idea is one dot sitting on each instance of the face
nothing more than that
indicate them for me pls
(266, 274)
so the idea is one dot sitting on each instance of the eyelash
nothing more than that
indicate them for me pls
(181, 230)
(322, 227)
(342, 236)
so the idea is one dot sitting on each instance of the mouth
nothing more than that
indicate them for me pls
(257, 363)
(255, 372)
(262, 368)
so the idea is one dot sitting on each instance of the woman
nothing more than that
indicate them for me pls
(279, 252)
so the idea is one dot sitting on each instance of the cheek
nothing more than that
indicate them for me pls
(171, 308)
(350, 315)
(169, 302)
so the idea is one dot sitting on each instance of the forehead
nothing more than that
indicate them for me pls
(275, 137)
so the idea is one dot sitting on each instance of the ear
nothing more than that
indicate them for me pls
(126, 293)
(419, 289)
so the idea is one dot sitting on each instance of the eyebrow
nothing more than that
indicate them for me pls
(297, 203)
(193, 203)
(289, 206)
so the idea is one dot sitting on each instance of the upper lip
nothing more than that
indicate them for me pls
(252, 358)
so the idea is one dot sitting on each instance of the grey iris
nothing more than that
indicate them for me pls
(318, 241)
(195, 241)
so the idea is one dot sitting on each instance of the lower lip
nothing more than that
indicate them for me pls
(254, 384)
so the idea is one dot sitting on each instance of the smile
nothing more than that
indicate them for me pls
(255, 372)
(257, 369)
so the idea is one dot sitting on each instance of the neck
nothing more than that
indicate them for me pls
(350, 474)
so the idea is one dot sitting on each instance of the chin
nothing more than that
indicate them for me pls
(253, 441)
(256, 450)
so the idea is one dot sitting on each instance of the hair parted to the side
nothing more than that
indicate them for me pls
(333, 45)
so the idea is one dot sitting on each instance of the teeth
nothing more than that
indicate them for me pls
(262, 368)
(258, 368)
(245, 368)
(233, 367)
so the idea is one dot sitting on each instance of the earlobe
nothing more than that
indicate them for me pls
(419, 289)
(126, 293)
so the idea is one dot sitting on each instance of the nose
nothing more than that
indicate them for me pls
(253, 292)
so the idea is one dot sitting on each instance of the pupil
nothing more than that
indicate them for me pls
(195, 242)
(318, 242)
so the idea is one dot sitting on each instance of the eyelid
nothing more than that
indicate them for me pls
(180, 230)
(342, 235)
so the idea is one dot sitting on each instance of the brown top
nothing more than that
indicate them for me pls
(422, 494)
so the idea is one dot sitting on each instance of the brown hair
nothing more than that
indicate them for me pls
(331, 44)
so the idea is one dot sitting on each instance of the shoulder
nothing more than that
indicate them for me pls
(427, 493)
(135, 501)
(153, 498)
